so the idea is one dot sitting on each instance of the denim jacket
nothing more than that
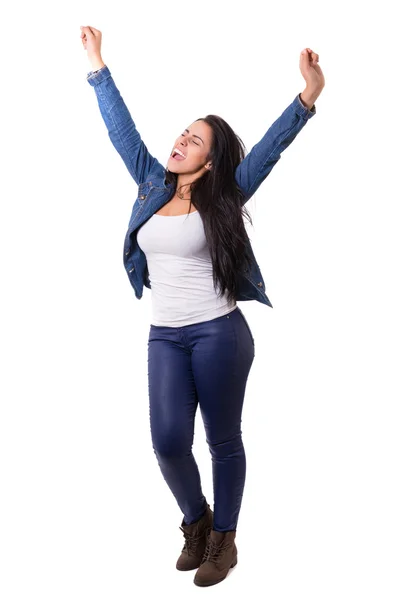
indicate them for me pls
(153, 192)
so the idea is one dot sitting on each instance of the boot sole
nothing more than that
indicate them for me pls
(208, 583)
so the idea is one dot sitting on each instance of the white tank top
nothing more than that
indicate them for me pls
(180, 271)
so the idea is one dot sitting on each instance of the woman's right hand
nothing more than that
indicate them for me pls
(91, 40)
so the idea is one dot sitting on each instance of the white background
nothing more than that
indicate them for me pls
(84, 510)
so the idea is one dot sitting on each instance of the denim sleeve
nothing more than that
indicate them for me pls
(258, 163)
(121, 127)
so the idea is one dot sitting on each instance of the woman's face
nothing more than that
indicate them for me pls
(195, 144)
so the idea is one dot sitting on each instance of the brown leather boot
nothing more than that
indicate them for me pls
(195, 541)
(220, 555)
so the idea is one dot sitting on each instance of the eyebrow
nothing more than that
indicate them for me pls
(194, 135)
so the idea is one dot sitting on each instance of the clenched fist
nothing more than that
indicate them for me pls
(311, 70)
(91, 41)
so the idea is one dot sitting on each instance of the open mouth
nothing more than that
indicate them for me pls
(177, 156)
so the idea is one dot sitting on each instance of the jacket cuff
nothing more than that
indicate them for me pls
(302, 110)
(96, 77)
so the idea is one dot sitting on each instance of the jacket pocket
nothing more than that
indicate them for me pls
(143, 191)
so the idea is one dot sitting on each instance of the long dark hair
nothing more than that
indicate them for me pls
(218, 199)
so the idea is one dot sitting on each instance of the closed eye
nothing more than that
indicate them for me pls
(192, 141)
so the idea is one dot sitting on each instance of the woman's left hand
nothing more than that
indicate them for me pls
(311, 70)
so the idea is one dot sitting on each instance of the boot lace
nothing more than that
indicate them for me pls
(191, 541)
(213, 552)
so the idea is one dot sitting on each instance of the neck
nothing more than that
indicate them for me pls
(185, 179)
(183, 186)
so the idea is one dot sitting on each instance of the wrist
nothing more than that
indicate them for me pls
(96, 63)
(308, 97)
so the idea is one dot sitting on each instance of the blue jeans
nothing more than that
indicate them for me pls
(208, 364)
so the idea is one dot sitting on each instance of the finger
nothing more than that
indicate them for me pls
(313, 56)
(88, 31)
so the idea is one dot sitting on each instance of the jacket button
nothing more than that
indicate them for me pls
(126, 253)
(130, 270)
(142, 197)
(260, 283)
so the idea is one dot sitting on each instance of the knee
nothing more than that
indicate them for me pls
(230, 447)
(171, 447)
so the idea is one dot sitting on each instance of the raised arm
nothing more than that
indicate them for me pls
(121, 127)
(259, 162)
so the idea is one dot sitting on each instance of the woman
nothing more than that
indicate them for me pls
(186, 241)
